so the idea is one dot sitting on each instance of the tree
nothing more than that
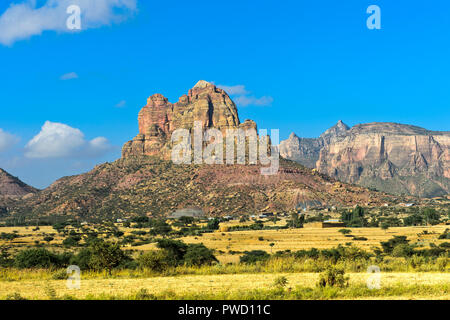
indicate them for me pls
(82, 259)
(161, 227)
(175, 250)
(106, 256)
(48, 239)
(271, 246)
(40, 258)
(297, 220)
(213, 224)
(431, 216)
(389, 245)
(186, 220)
(345, 231)
(71, 241)
(198, 255)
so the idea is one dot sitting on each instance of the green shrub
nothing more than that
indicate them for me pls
(154, 260)
(280, 282)
(254, 256)
(333, 277)
(198, 255)
(40, 258)
(106, 256)
(82, 259)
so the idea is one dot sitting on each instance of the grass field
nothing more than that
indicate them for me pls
(306, 238)
(407, 286)
(238, 281)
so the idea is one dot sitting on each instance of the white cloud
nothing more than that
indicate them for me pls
(23, 20)
(7, 140)
(58, 140)
(121, 104)
(234, 90)
(242, 98)
(252, 101)
(69, 76)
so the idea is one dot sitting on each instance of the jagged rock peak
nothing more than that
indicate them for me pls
(159, 118)
(203, 84)
(340, 128)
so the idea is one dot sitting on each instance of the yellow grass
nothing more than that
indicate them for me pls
(306, 238)
(39, 289)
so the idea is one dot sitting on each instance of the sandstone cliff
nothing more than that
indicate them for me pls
(391, 157)
(159, 118)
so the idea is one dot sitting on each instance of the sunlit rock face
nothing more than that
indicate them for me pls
(159, 118)
(390, 157)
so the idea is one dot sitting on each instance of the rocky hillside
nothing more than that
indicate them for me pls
(12, 187)
(391, 157)
(151, 186)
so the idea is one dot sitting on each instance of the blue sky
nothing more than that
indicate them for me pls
(310, 63)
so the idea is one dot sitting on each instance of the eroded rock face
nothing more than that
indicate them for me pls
(390, 157)
(159, 118)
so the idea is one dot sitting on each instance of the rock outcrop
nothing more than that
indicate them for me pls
(390, 157)
(159, 118)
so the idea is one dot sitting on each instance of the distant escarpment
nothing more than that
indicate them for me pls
(391, 157)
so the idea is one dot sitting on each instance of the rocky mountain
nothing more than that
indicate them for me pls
(159, 118)
(12, 187)
(391, 157)
(144, 181)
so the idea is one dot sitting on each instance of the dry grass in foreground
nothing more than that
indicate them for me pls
(240, 286)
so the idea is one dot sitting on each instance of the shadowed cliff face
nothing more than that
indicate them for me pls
(390, 157)
(159, 119)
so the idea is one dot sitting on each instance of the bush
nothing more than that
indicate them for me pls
(402, 250)
(82, 259)
(154, 260)
(389, 245)
(71, 241)
(198, 255)
(254, 256)
(106, 256)
(175, 250)
(333, 277)
(60, 275)
(41, 258)
(280, 282)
